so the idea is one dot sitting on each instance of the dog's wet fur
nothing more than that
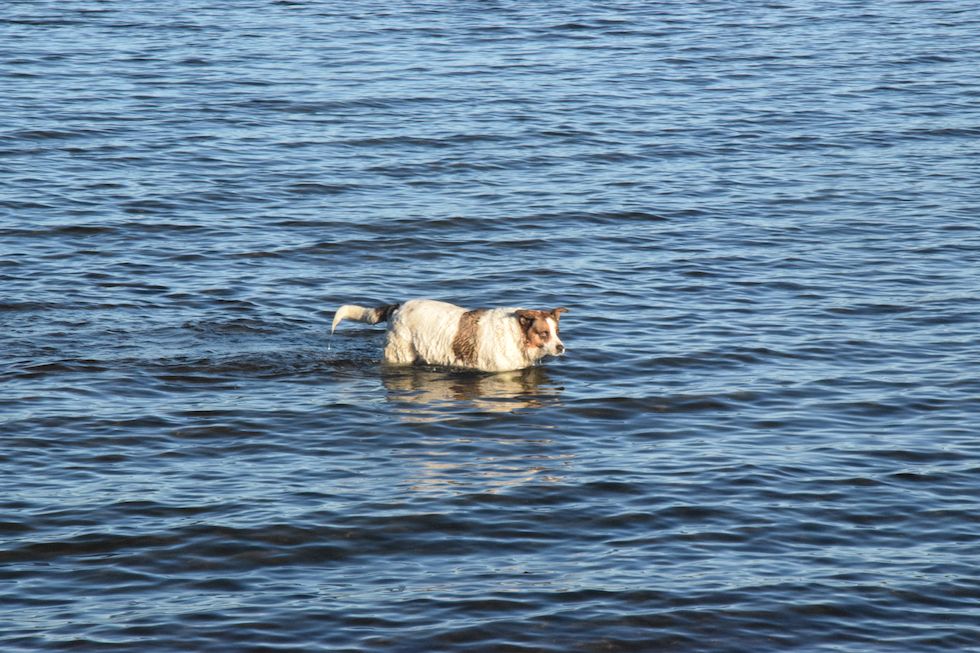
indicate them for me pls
(438, 333)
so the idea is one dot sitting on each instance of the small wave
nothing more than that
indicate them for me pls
(79, 230)
(64, 366)
(872, 309)
(45, 134)
(629, 408)
(231, 367)
(314, 188)
(27, 306)
(402, 141)
(232, 326)
(334, 107)
(143, 206)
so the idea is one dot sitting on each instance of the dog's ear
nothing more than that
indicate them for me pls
(525, 318)
(556, 312)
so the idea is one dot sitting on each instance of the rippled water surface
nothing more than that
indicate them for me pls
(762, 217)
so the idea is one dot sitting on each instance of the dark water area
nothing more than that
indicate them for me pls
(762, 217)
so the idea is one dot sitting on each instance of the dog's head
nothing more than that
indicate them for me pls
(540, 329)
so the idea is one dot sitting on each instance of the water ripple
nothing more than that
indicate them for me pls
(761, 217)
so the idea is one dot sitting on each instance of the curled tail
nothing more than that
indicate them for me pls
(361, 314)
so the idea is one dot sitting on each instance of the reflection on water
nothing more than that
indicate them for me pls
(442, 471)
(433, 394)
(475, 457)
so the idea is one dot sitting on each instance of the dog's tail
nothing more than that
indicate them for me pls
(361, 314)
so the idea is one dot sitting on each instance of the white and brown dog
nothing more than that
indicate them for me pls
(487, 339)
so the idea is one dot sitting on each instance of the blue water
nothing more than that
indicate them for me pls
(762, 217)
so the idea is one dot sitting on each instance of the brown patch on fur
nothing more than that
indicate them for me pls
(383, 313)
(465, 341)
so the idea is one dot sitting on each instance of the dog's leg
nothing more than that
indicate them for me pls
(399, 350)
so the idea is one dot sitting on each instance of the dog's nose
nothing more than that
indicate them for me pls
(560, 349)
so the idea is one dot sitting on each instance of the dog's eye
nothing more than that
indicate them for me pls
(544, 335)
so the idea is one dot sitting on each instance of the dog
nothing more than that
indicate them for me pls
(438, 333)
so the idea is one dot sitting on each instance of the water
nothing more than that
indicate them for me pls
(762, 217)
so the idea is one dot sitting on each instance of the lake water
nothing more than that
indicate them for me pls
(762, 217)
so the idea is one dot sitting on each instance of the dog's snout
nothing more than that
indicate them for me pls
(560, 349)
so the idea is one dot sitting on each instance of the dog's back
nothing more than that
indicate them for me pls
(423, 330)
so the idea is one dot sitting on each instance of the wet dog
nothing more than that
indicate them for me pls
(437, 333)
